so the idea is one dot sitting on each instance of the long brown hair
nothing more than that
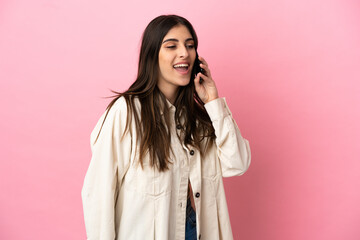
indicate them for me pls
(153, 127)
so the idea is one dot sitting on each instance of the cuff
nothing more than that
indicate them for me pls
(217, 109)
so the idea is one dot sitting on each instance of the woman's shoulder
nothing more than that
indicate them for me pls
(113, 120)
(115, 112)
(121, 104)
(123, 110)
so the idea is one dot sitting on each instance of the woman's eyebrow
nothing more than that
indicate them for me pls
(176, 40)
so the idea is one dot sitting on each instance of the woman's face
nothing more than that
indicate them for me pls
(176, 59)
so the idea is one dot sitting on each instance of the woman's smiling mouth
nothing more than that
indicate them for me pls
(182, 68)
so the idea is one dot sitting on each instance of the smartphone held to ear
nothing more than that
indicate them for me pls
(197, 67)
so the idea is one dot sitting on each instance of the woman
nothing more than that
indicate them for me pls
(160, 150)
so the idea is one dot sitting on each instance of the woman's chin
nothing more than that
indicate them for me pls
(184, 82)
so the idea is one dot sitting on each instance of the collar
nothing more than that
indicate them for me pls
(169, 105)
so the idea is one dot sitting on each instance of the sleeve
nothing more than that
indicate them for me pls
(109, 162)
(233, 150)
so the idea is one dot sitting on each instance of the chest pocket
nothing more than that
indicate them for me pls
(148, 181)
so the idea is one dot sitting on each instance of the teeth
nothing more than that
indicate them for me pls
(181, 65)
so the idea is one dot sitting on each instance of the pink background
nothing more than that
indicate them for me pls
(289, 70)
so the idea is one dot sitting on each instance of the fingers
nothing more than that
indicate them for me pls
(197, 81)
(206, 68)
(203, 76)
(204, 65)
(203, 60)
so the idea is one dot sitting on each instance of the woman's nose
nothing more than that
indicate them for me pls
(183, 52)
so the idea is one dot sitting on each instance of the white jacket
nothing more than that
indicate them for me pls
(123, 201)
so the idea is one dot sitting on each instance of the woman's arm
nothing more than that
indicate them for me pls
(109, 162)
(233, 150)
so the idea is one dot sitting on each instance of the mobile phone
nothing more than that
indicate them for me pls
(197, 67)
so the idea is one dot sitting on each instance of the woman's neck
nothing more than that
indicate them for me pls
(170, 93)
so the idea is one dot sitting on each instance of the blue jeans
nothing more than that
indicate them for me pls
(190, 225)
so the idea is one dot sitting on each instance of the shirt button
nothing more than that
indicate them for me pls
(178, 126)
(197, 195)
(192, 152)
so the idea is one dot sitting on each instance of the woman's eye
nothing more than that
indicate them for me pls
(188, 46)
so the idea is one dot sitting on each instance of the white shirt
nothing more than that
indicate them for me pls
(123, 201)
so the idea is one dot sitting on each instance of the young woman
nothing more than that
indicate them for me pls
(160, 150)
